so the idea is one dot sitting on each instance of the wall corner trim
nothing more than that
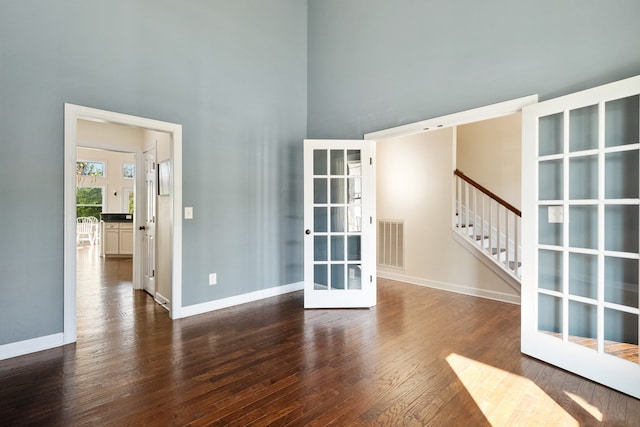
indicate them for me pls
(33, 345)
(205, 307)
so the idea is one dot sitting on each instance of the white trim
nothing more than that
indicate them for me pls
(450, 287)
(469, 116)
(162, 300)
(72, 113)
(20, 348)
(484, 258)
(205, 307)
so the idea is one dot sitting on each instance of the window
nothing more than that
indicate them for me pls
(90, 168)
(128, 170)
(89, 201)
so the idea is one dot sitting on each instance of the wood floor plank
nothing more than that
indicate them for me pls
(420, 357)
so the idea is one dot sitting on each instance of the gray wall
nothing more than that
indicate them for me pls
(375, 64)
(233, 73)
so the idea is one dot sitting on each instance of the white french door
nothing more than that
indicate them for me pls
(339, 218)
(581, 214)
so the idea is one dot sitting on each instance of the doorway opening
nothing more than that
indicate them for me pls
(415, 177)
(77, 117)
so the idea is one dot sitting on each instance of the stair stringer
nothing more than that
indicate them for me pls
(487, 260)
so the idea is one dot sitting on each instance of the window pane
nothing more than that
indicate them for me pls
(583, 128)
(337, 162)
(90, 168)
(550, 129)
(621, 121)
(583, 273)
(550, 180)
(319, 162)
(621, 281)
(549, 313)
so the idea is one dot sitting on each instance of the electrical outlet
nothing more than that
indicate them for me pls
(188, 213)
(213, 279)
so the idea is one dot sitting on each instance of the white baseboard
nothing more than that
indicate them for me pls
(21, 348)
(162, 300)
(192, 310)
(465, 290)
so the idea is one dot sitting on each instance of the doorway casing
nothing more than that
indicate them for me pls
(73, 113)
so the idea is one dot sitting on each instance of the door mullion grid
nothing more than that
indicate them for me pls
(601, 246)
(565, 228)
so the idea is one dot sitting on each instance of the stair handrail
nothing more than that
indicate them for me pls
(489, 193)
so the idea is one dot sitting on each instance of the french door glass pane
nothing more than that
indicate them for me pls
(550, 270)
(621, 175)
(550, 180)
(337, 276)
(320, 278)
(319, 162)
(583, 273)
(337, 190)
(621, 281)
(337, 162)
(583, 128)
(621, 334)
(354, 276)
(549, 313)
(320, 219)
(354, 250)
(583, 177)
(319, 190)
(337, 248)
(320, 252)
(622, 121)
(621, 228)
(550, 134)
(583, 324)
(583, 227)
(337, 219)
(549, 233)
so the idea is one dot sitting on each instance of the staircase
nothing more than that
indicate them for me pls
(489, 227)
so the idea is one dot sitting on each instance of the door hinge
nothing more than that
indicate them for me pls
(370, 279)
(153, 273)
(370, 220)
(370, 160)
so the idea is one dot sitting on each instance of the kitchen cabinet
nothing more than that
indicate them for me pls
(117, 238)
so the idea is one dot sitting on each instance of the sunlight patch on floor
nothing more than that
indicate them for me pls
(505, 398)
(595, 412)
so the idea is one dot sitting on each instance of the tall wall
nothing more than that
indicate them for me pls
(375, 64)
(490, 153)
(233, 73)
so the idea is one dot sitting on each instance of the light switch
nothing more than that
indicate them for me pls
(188, 213)
(555, 214)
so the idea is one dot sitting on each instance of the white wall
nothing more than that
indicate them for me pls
(109, 136)
(113, 182)
(414, 183)
(489, 152)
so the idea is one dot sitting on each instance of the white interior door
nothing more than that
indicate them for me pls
(149, 228)
(581, 212)
(339, 218)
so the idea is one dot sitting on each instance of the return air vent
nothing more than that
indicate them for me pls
(391, 243)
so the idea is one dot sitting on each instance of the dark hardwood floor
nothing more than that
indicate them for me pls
(421, 357)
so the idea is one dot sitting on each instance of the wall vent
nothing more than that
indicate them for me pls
(391, 243)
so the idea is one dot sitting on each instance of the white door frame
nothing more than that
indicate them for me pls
(73, 113)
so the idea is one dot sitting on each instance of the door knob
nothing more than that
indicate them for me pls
(307, 232)
(142, 227)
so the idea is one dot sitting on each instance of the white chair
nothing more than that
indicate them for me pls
(86, 227)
